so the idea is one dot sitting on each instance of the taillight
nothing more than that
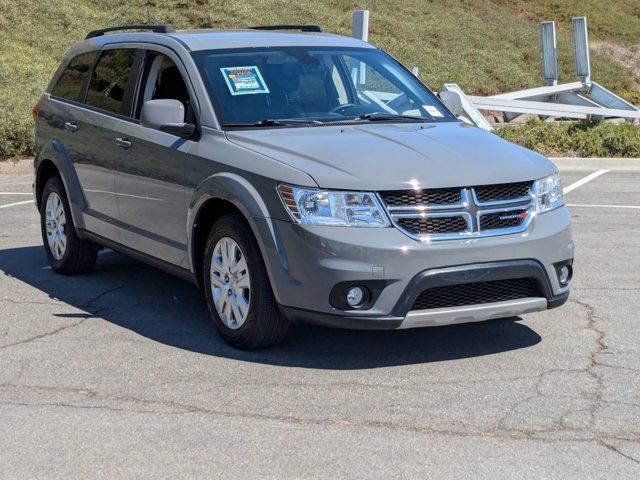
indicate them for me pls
(35, 112)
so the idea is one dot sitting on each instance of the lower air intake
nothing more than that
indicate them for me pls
(477, 293)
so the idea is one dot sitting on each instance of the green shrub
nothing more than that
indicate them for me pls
(16, 134)
(579, 139)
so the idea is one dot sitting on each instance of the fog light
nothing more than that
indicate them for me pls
(355, 295)
(564, 274)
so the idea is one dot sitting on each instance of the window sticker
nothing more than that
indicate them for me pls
(244, 80)
(433, 111)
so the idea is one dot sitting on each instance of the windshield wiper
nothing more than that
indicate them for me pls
(385, 117)
(274, 122)
(379, 117)
(371, 117)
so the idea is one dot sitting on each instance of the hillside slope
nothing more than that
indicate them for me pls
(486, 46)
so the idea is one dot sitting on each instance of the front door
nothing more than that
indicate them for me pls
(150, 170)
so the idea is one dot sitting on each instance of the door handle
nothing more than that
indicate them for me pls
(72, 127)
(123, 142)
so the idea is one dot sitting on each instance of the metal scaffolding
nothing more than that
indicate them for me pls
(577, 100)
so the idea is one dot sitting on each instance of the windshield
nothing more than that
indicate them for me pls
(303, 85)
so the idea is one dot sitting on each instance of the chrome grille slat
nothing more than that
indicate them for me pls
(468, 217)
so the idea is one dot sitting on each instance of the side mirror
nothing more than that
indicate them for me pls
(452, 101)
(166, 115)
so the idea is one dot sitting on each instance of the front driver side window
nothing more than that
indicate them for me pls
(164, 81)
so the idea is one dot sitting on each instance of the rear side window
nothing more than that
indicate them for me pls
(109, 80)
(70, 83)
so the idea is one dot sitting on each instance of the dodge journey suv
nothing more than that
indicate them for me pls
(294, 176)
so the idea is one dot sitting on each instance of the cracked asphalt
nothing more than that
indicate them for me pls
(119, 374)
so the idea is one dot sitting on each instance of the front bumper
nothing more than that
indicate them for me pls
(306, 262)
(403, 317)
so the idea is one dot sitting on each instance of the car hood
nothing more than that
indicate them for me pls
(397, 156)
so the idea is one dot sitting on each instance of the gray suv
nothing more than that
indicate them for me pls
(294, 176)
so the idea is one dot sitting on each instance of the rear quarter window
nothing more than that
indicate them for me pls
(69, 84)
(109, 80)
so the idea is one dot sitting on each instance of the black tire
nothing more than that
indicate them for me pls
(264, 325)
(79, 255)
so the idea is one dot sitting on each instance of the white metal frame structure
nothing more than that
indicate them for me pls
(575, 100)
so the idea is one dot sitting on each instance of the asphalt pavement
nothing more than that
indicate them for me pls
(120, 374)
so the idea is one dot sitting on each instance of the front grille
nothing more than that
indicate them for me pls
(502, 192)
(412, 198)
(477, 293)
(451, 213)
(510, 219)
(433, 225)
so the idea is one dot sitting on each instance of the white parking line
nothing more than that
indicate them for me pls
(603, 206)
(584, 180)
(15, 193)
(16, 204)
(13, 184)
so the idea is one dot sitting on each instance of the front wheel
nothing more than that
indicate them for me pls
(66, 252)
(237, 287)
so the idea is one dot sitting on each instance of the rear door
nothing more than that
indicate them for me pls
(108, 103)
(151, 166)
(77, 133)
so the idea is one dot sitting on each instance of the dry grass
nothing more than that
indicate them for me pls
(486, 46)
(626, 55)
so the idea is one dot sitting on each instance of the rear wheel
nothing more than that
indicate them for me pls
(237, 287)
(66, 252)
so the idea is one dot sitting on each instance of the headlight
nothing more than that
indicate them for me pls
(323, 207)
(548, 193)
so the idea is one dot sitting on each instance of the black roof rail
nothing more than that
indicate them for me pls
(157, 28)
(302, 28)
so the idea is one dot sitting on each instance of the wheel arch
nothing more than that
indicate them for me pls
(208, 214)
(216, 196)
(54, 160)
(46, 169)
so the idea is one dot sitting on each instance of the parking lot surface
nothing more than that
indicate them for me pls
(120, 374)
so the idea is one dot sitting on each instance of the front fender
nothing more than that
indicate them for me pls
(257, 210)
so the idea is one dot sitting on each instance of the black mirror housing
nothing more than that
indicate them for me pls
(186, 130)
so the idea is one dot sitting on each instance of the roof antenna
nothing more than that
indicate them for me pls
(148, 13)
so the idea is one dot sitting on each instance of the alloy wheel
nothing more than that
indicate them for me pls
(230, 283)
(56, 226)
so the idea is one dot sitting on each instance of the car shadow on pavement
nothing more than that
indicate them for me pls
(169, 310)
